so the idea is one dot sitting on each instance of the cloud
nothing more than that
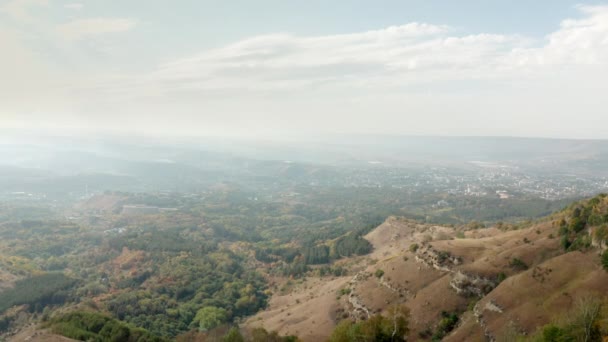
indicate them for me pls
(83, 28)
(397, 56)
(416, 77)
(20, 9)
(582, 41)
(389, 56)
(74, 6)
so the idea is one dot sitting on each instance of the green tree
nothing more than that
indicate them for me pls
(210, 317)
(601, 233)
(343, 332)
(398, 317)
(585, 321)
(554, 333)
(582, 324)
(233, 335)
(390, 328)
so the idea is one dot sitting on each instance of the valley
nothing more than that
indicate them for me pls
(269, 253)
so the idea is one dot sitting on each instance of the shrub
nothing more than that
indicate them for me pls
(446, 325)
(261, 335)
(471, 305)
(345, 291)
(580, 243)
(426, 333)
(605, 260)
(565, 242)
(443, 256)
(518, 264)
(233, 335)
(394, 327)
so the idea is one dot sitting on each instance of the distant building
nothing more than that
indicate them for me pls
(443, 203)
(502, 194)
(139, 209)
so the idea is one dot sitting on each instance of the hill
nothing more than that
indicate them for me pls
(189, 274)
(490, 282)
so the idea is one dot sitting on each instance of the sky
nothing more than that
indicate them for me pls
(285, 68)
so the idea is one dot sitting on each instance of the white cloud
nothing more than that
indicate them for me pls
(20, 9)
(389, 56)
(74, 6)
(82, 28)
(577, 42)
(583, 41)
(396, 56)
(413, 78)
(416, 78)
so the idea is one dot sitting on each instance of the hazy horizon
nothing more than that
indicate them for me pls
(17, 135)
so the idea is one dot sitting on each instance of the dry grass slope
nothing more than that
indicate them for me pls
(445, 274)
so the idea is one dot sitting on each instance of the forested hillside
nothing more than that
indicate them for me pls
(173, 264)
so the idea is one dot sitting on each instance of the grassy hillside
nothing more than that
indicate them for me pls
(212, 263)
(478, 284)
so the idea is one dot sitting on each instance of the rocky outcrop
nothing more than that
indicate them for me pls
(492, 306)
(482, 323)
(440, 260)
(471, 285)
(359, 311)
(390, 287)
(478, 312)
(463, 283)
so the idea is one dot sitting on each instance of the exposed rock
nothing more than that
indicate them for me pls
(440, 260)
(492, 306)
(359, 311)
(471, 285)
(482, 323)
